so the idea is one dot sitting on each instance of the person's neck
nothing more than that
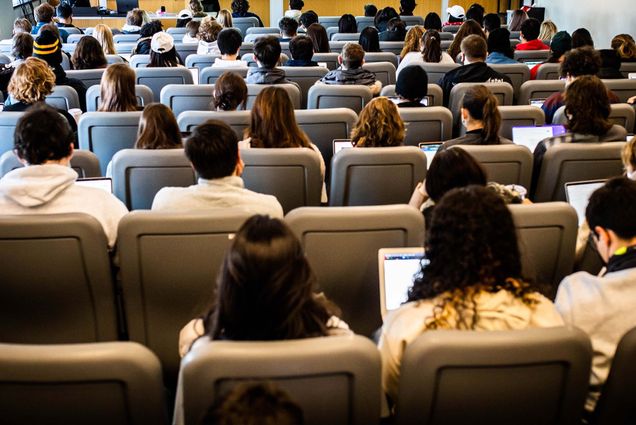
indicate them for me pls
(229, 57)
(65, 162)
(472, 125)
(68, 21)
(472, 61)
(619, 245)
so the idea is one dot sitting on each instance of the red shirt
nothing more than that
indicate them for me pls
(533, 45)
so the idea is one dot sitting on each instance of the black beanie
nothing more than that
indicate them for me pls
(412, 83)
(48, 48)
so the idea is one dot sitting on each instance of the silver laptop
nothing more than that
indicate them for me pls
(578, 195)
(530, 136)
(103, 183)
(397, 270)
(430, 149)
(340, 144)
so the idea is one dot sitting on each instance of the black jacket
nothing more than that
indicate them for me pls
(477, 72)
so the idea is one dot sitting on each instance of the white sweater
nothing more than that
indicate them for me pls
(51, 189)
(416, 58)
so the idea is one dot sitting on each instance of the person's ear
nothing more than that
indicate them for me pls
(71, 151)
(464, 113)
(22, 160)
(240, 165)
(603, 242)
(339, 59)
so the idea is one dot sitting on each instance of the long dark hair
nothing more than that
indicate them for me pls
(482, 105)
(431, 46)
(265, 288)
(370, 40)
(319, 38)
(169, 59)
(471, 245)
(88, 54)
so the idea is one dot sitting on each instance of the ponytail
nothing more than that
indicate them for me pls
(431, 46)
(483, 105)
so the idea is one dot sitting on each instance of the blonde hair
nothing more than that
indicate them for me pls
(32, 81)
(625, 46)
(104, 35)
(628, 155)
(117, 89)
(225, 18)
(548, 29)
(413, 40)
(379, 125)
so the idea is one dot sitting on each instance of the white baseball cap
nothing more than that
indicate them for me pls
(456, 11)
(184, 14)
(161, 42)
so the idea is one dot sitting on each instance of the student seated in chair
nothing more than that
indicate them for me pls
(302, 50)
(530, 29)
(288, 28)
(267, 55)
(47, 184)
(229, 43)
(213, 151)
(351, 72)
(603, 306)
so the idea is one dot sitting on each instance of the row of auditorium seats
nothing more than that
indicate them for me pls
(535, 376)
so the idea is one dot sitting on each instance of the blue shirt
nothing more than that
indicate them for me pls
(39, 25)
(498, 58)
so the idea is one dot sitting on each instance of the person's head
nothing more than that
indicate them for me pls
(397, 26)
(229, 41)
(301, 48)
(560, 44)
(610, 215)
(267, 51)
(255, 404)
(196, 7)
(476, 13)
(22, 47)
(53, 28)
(265, 289)
(273, 123)
(548, 29)
(104, 36)
(379, 125)
(209, 30)
(625, 46)
(431, 46)
(158, 129)
(480, 109)
(474, 48)
(432, 21)
(610, 64)
(308, 18)
(383, 17)
(48, 47)
(468, 28)
(240, 6)
(288, 27)
(456, 13)
(32, 81)
(581, 38)
(318, 35)
(21, 25)
(491, 22)
(225, 18)
(44, 13)
(163, 54)
(212, 148)
(37, 144)
(151, 28)
(450, 169)
(413, 40)
(370, 10)
(412, 83)
(407, 7)
(230, 92)
(369, 40)
(518, 17)
(471, 244)
(135, 17)
(64, 13)
(628, 156)
(352, 56)
(587, 106)
(88, 54)
(145, 19)
(347, 24)
(117, 89)
(192, 28)
(296, 4)
(530, 29)
(578, 62)
(499, 42)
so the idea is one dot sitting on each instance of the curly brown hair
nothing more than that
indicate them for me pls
(588, 106)
(32, 81)
(209, 30)
(413, 40)
(379, 125)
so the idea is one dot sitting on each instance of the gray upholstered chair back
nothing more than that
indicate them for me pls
(187, 97)
(305, 77)
(505, 164)
(8, 121)
(157, 78)
(434, 93)
(519, 116)
(209, 75)
(94, 99)
(539, 89)
(426, 124)
(63, 97)
(354, 97)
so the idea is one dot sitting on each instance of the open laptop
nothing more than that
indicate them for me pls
(340, 144)
(397, 270)
(429, 149)
(530, 136)
(578, 195)
(103, 183)
(538, 102)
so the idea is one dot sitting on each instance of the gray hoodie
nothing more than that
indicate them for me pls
(266, 76)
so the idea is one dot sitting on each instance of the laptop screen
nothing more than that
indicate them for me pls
(537, 102)
(532, 64)
(531, 136)
(340, 144)
(429, 149)
(398, 268)
(578, 195)
(103, 183)
(125, 6)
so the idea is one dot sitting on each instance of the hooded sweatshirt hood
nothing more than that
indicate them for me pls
(36, 185)
(266, 76)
